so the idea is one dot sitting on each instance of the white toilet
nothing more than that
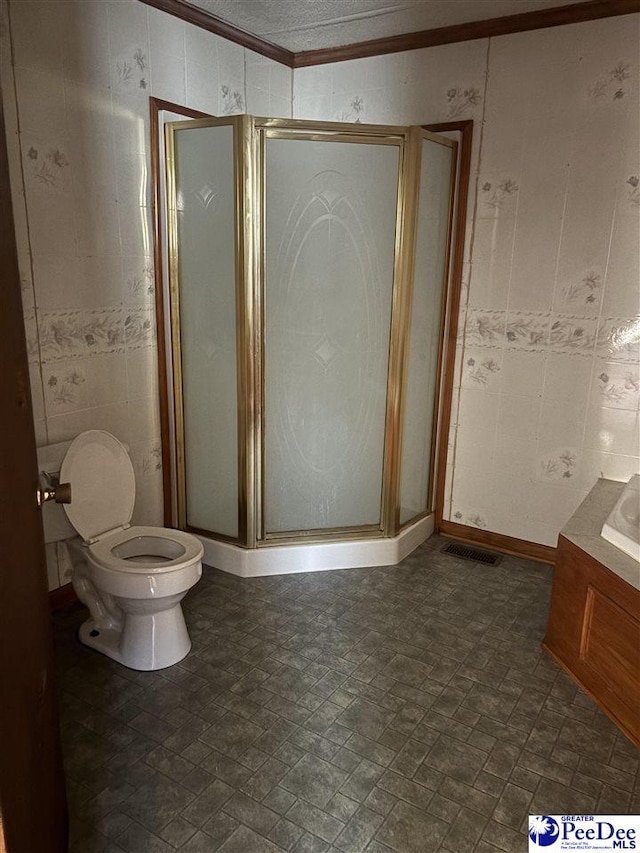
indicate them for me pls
(132, 579)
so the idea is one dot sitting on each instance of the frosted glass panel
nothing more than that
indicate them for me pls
(424, 342)
(206, 240)
(330, 231)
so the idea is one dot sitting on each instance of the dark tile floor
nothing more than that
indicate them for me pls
(405, 709)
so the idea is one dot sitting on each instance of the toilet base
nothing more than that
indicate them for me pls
(147, 641)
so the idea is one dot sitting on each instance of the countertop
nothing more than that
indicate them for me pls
(585, 525)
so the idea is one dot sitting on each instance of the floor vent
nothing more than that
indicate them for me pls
(456, 549)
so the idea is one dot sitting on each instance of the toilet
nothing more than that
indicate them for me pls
(132, 579)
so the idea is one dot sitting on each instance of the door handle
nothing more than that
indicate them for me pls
(50, 489)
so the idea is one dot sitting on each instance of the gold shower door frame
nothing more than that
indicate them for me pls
(244, 249)
(250, 136)
(418, 134)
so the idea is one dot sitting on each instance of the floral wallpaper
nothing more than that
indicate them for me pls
(64, 387)
(67, 334)
(586, 291)
(142, 283)
(618, 338)
(480, 370)
(132, 70)
(475, 520)
(80, 174)
(46, 167)
(232, 100)
(494, 195)
(355, 112)
(612, 84)
(548, 343)
(461, 99)
(559, 465)
(562, 333)
(619, 387)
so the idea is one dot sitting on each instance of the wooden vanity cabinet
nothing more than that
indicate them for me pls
(594, 634)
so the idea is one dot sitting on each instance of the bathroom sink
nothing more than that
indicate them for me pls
(622, 527)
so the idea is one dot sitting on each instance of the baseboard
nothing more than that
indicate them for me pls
(62, 597)
(499, 542)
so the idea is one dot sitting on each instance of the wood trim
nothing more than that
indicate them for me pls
(465, 128)
(206, 21)
(497, 541)
(590, 10)
(62, 597)
(555, 17)
(156, 106)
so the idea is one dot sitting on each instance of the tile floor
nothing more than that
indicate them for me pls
(408, 709)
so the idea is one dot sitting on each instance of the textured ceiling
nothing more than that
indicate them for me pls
(311, 24)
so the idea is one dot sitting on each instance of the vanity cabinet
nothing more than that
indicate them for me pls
(593, 630)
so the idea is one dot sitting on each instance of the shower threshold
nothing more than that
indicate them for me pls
(316, 556)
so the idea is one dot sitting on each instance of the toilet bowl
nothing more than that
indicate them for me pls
(132, 579)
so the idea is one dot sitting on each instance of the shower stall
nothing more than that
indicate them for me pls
(305, 302)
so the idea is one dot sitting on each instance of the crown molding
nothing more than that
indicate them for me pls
(557, 16)
(554, 17)
(194, 15)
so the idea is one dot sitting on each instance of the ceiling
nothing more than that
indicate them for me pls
(300, 25)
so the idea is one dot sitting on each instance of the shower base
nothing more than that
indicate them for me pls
(316, 556)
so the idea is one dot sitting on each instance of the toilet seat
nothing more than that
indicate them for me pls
(102, 498)
(103, 484)
(136, 542)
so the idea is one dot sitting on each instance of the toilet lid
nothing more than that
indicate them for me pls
(103, 486)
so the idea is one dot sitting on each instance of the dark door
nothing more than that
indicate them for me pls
(32, 794)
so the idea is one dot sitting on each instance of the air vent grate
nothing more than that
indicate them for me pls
(466, 553)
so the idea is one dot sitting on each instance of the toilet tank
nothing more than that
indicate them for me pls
(57, 526)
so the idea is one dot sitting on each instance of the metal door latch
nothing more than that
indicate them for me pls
(50, 489)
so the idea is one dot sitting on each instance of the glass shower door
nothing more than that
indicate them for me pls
(203, 268)
(307, 283)
(329, 246)
(433, 228)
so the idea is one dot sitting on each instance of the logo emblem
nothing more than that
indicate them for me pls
(543, 830)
